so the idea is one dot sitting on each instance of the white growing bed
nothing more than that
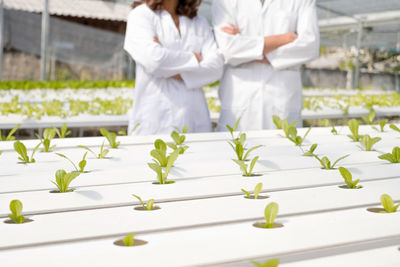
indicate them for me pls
(85, 120)
(204, 219)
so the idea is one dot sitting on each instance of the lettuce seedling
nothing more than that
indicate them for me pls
(64, 179)
(270, 213)
(48, 135)
(20, 148)
(270, 263)
(286, 127)
(103, 152)
(392, 158)
(326, 163)
(81, 164)
(277, 121)
(239, 147)
(348, 178)
(129, 240)
(179, 140)
(256, 192)
(354, 126)
(297, 140)
(247, 170)
(388, 204)
(159, 153)
(368, 142)
(394, 127)
(146, 206)
(232, 129)
(369, 119)
(382, 125)
(310, 152)
(64, 131)
(10, 136)
(124, 133)
(16, 211)
(162, 176)
(111, 138)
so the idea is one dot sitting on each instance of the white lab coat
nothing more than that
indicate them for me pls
(161, 102)
(256, 91)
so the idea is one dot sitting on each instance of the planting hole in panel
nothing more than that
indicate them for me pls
(377, 210)
(262, 225)
(12, 222)
(169, 182)
(346, 187)
(259, 197)
(143, 209)
(137, 243)
(58, 192)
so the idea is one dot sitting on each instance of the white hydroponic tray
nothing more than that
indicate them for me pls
(86, 120)
(204, 219)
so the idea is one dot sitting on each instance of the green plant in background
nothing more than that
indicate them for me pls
(326, 163)
(382, 125)
(10, 136)
(388, 204)
(146, 206)
(124, 133)
(393, 157)
(354, 126)
(81, 164)
(129, 240)
(64, 132)
(64, 179)
(395, 128)
(370, 118)
(111, 138)
(368, 142)
(16, 212)
(179, 140)
(103, 152)
(270, 213)
(297, 140)
(48, 135)
(1, 152)
(345, 109)
(348, 178)
(20, 148)
(256, 192)
(310, 152)
(247, 170)
(270, 263)
(239, 147)
(28, 85)
(333, 130)
(159, 153)
(162, 175)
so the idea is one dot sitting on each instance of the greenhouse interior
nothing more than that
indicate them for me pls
(121, 120)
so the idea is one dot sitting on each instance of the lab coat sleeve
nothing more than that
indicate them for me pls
(211, 67)
(156, 59)
(306, 46)
(237, 49)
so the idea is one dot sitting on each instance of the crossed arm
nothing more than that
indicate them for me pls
(270, 42)
(178, 76)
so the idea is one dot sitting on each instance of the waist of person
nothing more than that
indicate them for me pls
(261, 67)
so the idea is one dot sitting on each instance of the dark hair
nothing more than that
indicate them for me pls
(186, 8)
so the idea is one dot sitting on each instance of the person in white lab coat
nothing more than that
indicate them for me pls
(264, 42)
(176, 55)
